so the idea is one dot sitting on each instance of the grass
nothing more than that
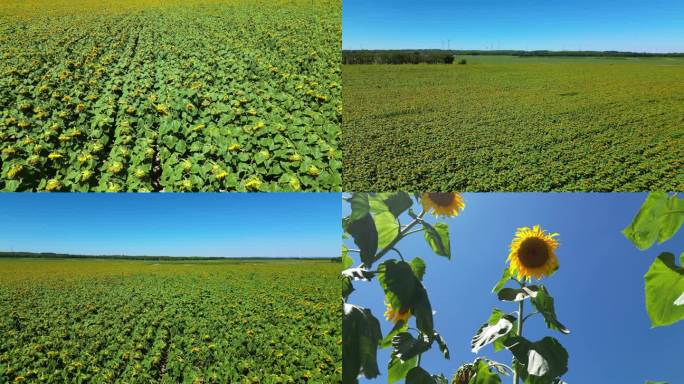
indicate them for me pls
(502, 123)
(75, 320)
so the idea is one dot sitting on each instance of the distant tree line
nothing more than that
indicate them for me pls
(397, 57)
(438, 56)
(50, 255)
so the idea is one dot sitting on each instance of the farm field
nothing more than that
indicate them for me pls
(198, 95)
(503, 123)
(106, 321)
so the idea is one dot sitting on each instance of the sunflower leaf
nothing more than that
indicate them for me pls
(398, 202)
(406, 346)
(400, 326)
(361, 333)
(365, 237)
(519, 294)
(388, 228)
(437, 237)
(418, 267)
(443, 347)
(505, 277)
(359, 205)
(497, 326)
(397, 368)
(347, 287)
(545, 359)
(484, 374)
(543, 302)
(665, 291)
(658, 219)
(418, 375)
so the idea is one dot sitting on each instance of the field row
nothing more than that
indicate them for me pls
(222, 96)
(77, 321)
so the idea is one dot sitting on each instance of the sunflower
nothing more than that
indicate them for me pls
(532, 253)
(443, 203)
(395, 315)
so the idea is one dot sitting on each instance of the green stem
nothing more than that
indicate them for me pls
(401, 235)
(521, 320)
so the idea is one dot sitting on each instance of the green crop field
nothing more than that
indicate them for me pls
(106, 321)
(196, 95)
(507, 123)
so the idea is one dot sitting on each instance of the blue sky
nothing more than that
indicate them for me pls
(624, 25)
(167, 224)
(598, 288)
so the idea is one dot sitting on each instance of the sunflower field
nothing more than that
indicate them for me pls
(504, 123)
(213, 95)
(106, 321)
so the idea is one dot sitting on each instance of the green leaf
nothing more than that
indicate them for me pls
(398, 202)
(347, 287)
(519, 294)
(397, 369)
(505, 277)
(443, 347)
(484, 375)
(418, 267)
(422, 310)
(664, 290)
(360, 336)
(365, 237)
(418, 375)
(497, 326)
(658, 219)
(359, 205)
(400, 326)
(387, 227)
(399, 283)
(437, 237)
(656, 382)
(347, 261)
(545, 359)
(406, 346)
(543, 302)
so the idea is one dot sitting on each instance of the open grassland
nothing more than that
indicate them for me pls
(507, 123)
(153, 95)
(106, 321)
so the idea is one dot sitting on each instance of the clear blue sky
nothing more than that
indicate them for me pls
(598, 288)
(168, 224)
(624, 25)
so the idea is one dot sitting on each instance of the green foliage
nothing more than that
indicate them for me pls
(511, 124)
(106, 321)
(665, 290)
(658, 219)
(361, 332)
(543, 302)
(543, 361)
(175, 96)
(374, 226)
(437, 236)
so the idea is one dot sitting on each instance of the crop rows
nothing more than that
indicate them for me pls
(515, 124)
(191, 96)
(137, 322)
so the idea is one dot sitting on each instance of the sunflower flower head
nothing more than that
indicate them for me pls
(532, 253)
(395, 315)
(442, 203)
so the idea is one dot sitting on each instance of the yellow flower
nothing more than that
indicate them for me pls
(253, 184)
(54, 156)
(234, 147)
(442, 203)
(221, 175)
(532, 253)
(162, 109)
(259, 125)
(313, 171)
(14, 170)
(53, 185)
(395, 315)
(86, 175)
(296, 157)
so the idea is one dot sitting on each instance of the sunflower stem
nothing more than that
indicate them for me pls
(521, 320)
(404, 231)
